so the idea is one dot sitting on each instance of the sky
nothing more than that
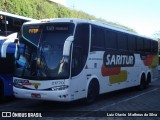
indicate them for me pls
(141, 15)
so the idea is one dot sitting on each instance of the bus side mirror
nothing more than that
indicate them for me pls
(67, 46)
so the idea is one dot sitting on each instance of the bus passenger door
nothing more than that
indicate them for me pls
(79, 58)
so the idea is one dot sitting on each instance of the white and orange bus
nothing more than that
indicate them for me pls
(68, 59)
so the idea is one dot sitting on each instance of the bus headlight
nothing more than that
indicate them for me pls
(17, 85)
(57, 88)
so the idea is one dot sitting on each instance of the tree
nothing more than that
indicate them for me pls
(156, 35)
(39, 9)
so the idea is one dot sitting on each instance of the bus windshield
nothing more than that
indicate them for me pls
(40, 52)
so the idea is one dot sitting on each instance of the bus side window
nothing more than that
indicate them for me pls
(97, 39)
(131, 43)
(111, 39)
(80, 48)
(155, 47)
(147, 45)
(140, 44)
(122, 41)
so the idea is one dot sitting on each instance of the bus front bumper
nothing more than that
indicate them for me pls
(62, 95)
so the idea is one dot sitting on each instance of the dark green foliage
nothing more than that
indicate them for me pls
(39, 9)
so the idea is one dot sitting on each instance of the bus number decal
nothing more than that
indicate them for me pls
(55, 83)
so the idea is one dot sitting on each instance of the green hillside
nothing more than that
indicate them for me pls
(39, 9)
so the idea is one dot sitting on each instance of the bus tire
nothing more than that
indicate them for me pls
(93, 91)
(148, 81)
(142, 85)
(1, 91)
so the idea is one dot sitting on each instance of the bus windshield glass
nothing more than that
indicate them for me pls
(40, 52)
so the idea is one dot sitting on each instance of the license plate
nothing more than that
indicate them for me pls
(34, 95)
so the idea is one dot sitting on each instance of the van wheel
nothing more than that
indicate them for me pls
(1, 91)
(93, 91)
(142, 85)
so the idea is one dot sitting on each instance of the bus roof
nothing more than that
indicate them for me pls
(15, 16)
(95, 22)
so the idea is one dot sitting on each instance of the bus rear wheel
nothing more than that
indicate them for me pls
(148, 80)
(93, 91)
(142, 85)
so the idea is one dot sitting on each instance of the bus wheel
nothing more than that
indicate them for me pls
(93, 91)
(1, 91)
(148, 80)
(142, 85)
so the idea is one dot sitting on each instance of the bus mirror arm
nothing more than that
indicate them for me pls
(67, 46)
(16, 40)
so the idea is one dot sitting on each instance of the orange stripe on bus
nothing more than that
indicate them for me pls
(148, 60)
(109, 71)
